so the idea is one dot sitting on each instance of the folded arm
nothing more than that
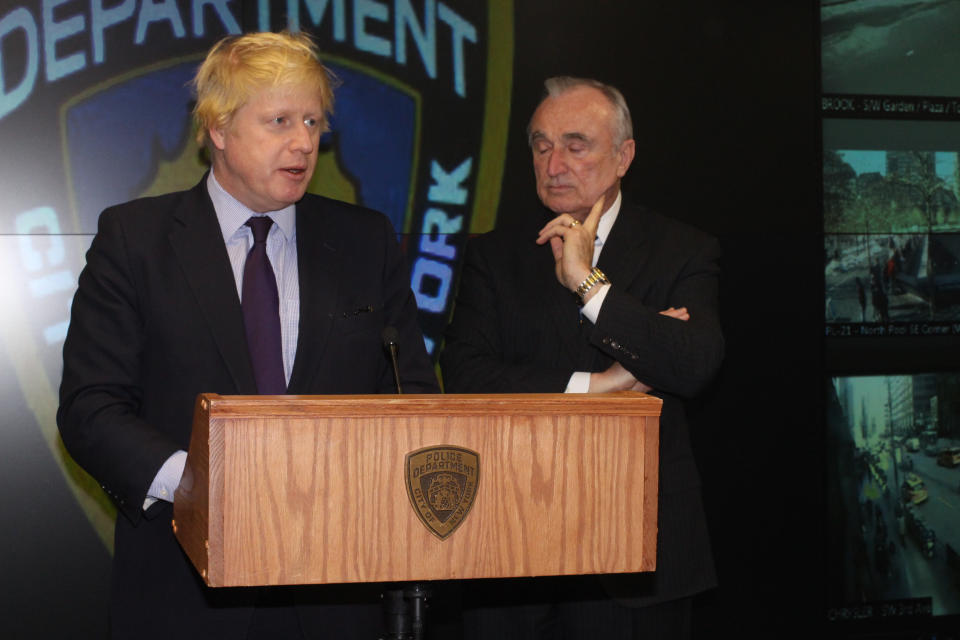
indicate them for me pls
(680, 358)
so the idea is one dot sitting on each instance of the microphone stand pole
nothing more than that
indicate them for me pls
(404, 609)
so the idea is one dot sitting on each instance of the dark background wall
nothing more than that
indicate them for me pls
(723, 97)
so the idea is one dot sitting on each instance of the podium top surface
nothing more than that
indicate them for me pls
(619, 403)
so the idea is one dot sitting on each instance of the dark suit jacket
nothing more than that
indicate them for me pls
(157, 320)
(516, 329)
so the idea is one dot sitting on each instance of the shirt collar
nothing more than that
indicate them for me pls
(607, 219)
(233, 214)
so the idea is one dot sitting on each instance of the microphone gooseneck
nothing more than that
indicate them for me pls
(391, 339)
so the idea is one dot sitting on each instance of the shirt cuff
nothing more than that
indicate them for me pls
(167, 479)
(579, 382)
(591, 310)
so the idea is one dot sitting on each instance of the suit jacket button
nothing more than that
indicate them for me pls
(605, 341)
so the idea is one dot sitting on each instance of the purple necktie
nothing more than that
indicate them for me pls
(261, 312)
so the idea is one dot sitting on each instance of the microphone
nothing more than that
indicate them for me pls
(390, 339)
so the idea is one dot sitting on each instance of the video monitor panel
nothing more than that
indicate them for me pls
(893, 47)
(891, 202)
(893, 479)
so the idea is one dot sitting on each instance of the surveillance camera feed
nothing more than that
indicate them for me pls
(891, 206)
(903, 47)
(894, 495)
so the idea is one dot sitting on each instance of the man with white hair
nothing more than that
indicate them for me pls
(609, 296)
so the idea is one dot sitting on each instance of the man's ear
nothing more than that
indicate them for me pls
(217, 137)
(626, 152)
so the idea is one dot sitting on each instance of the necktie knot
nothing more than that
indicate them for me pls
(260, 225)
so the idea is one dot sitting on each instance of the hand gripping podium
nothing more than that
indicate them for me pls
(285, 490)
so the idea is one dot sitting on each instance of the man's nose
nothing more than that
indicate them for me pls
(556, 164)
(302, 139)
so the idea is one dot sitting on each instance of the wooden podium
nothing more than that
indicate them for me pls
(282, 490)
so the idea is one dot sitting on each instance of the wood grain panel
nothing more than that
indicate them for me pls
(312, 489)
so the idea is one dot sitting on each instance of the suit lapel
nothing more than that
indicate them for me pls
(625, 253)
(198, 245)
(318, 263)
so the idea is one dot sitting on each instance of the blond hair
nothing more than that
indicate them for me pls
(237, 67)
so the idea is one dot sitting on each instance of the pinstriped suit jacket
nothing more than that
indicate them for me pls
(516, 329)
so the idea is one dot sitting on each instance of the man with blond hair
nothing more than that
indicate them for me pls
(244, 284)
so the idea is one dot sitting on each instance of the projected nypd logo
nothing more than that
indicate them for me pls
(418, 132)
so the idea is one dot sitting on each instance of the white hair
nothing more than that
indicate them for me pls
(623, 124)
